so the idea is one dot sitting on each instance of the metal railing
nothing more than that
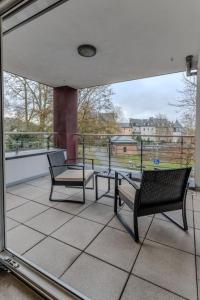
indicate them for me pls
(21, 141)
(137, 153)
(124, 152)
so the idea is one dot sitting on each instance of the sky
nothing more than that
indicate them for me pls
(149, 97)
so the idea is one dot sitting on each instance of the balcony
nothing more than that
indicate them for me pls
(86, 247)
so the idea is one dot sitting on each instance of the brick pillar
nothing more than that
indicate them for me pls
(65, 107)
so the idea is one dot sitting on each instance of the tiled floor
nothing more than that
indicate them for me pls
(87, 247)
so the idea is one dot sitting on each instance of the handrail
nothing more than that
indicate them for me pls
(146, 151)
(131, 135)
(22, 142)
(30, 132)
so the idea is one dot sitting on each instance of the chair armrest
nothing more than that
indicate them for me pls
(92, 161)
(76, 166)
(137, 179)
(127, 179)
(69, 165)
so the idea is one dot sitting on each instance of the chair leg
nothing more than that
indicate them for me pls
(185, 225)
(136, 234)
(120, 201)
(93, 182)
(96, 186)
(51, 192)
(115, 202)
(108, 184)
(84, 193)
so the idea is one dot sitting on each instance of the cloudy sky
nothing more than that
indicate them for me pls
(148, 97)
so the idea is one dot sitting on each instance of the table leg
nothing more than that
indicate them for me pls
(96, 184)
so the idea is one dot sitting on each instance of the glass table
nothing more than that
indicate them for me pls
(110, 175)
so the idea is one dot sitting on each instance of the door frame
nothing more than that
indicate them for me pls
(42, 282)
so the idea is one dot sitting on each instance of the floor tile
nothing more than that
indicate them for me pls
(106, 201)
(143, 222)
(59, 194)
(197, 239)
(42, 182)
(167, 267)
(27, 191)
(142, 290)
(67, 190)
(44, 199)
(98, 212)
(95, 279)
(73, 208)
(49, 220)
(169, 234)
(20, 186)
(89, 195)
(189, 200)
(10, 224)
(78, 232)
(170, 268)
(198, 273)
(26, 212)
(116, 247)
(196, 202)
(197, 219)
(22, 238)
(177, 216)
(53, 256)
(13, 201)
(103, 184)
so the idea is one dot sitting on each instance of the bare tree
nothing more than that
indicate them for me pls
(187, 103)
(31, 103)
(28, 101)
(96, 112)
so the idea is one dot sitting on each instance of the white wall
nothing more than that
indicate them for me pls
(26, 168)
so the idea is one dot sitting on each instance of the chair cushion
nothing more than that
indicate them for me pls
(74, 175)
(127, 191)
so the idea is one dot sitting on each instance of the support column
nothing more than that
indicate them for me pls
(65, 119)
(197, 132)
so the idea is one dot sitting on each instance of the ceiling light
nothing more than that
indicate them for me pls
(87, 50)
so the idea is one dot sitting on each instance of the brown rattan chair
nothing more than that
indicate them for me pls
(68, 175)
(159, 191)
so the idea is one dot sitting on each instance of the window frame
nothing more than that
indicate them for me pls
(42, 282)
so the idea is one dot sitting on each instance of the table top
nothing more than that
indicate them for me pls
(111, 174)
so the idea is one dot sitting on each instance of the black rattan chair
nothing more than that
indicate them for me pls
(159, 191)
(68, 175)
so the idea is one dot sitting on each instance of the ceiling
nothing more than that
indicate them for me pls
(134, 39)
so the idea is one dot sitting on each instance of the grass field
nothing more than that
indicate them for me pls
(133, 162)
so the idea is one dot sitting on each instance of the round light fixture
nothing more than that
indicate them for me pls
(87, 50)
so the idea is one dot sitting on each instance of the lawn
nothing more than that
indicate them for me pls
(133, 162)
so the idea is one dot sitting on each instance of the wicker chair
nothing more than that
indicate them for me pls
(159, 191)
(68, 175)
